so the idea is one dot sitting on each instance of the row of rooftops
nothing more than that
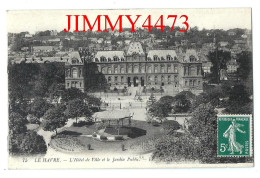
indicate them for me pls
(166, 55)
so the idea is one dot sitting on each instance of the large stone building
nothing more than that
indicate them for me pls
(74, 67)
(153, 69)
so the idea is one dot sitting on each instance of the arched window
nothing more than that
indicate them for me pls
(155, 69)
(80, 72)
(136, 69)
(162, 69)
(162, 78)
(109, 70)
(198, 70)
(74, 73)
(109, 59)
(142, 69)
(155, 80)
(122, 70)
(68, 73)
(175, 69)
(116, 70)
(149, 69)
(129, 69)
(169, 68)
(103, 70)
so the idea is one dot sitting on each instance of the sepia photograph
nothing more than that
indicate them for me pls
(130, 88)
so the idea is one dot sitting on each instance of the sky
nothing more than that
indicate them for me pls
(40, 20)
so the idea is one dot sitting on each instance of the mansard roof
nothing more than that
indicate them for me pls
(161, 53)
(135, 47)
(109, 54)
(74, 56)
(191, 53)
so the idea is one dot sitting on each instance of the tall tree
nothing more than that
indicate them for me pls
(203, 125)
(54, 118)
(71, 94)
(77, 108)
(219, 59)
(32, 143)
(17, 123)
(238, 99)
(39, 107)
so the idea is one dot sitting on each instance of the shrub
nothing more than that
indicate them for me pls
(170, 125)
(32, 119)
(94, 135)
(82, 123)
(155, 123)
(119, 137)
(102, 137)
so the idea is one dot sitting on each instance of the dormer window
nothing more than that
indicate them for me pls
(115, 58)
(175, 58)
(96, 59)
(74, 61)
(169, 58)
(109, 59)
(155, 58)
(122, 59)
(192, 58)
(102, 59)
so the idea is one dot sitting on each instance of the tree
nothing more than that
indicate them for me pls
(54, 118)
(77, 108)
(238, 98)
(92, 101)
(244, 60)
(32, 143)
(151, 100)
(211, 96)
(219, 61)
(176, 149)
(71, 94)
(182, 102)
(170, 126)
(17, 123)
(161, 108)
(39, 107)
(203, 125)
(245, 69)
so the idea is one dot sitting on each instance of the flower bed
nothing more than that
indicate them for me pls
(67, 144)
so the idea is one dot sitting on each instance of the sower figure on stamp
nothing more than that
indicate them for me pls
(230, 133)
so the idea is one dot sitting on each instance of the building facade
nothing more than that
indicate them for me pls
(74, 70)
(153, 69)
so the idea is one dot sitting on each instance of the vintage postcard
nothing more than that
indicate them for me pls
(132, 88)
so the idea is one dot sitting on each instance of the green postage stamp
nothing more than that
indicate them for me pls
(234, 135)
